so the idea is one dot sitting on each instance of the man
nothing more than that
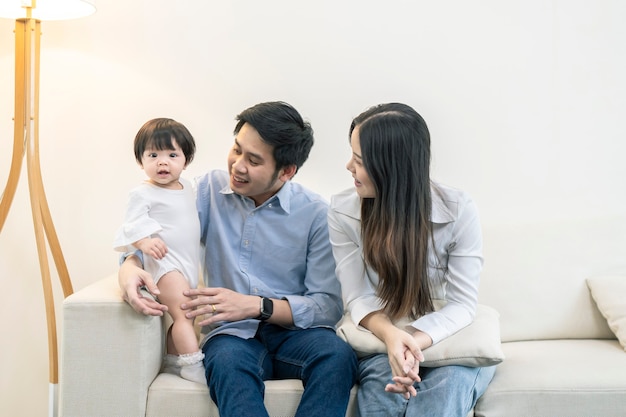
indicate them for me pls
(271, 298)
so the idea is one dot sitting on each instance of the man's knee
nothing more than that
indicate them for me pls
(335, 346)
(231, 351)
(339, 356)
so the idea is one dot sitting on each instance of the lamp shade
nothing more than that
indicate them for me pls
(47, 9)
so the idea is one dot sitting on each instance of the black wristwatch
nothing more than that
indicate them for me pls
(267, 308)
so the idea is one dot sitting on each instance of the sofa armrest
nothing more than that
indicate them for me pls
(109, 354)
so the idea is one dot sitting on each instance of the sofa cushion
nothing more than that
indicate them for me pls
(609, 293)
(171, 396)
(475, 345)
(552, 378)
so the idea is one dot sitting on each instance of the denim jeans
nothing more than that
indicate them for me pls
(447, 391)
(236, 369)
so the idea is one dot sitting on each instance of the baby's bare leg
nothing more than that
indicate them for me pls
(182, 332)
(184, 357)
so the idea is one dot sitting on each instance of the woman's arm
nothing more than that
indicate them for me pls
(458, 247)
(358, 288)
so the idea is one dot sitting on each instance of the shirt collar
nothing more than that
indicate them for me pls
(282, 196)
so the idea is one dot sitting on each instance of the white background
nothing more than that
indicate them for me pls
(525, 100)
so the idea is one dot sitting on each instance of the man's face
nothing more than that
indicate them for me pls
(252, 167)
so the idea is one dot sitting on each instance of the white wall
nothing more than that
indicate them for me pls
(525, 101)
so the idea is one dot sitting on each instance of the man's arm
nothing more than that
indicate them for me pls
(320, 304)
(214, 304)
(132, 278)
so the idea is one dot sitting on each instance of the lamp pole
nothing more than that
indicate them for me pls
(26, 140)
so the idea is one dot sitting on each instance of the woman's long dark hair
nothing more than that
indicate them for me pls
(395, 224)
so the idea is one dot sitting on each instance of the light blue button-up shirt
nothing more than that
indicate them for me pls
(280, 249)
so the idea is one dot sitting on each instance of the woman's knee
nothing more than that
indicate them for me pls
(374, 368)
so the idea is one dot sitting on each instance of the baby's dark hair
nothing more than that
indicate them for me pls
(158, 134)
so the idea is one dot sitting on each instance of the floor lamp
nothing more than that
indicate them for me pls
(28, 15)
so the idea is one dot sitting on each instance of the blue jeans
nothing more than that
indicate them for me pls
(448, 391)
(236, 369)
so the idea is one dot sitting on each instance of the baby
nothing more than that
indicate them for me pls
(162, 210)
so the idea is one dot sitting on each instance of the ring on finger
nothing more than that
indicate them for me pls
(214, 309)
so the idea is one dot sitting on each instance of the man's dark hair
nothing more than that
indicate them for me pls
(281, 126)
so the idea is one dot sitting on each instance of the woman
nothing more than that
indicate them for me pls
(401, 241)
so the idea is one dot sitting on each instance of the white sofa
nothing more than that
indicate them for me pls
(562, 359)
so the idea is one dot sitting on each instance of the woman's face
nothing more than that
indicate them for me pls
(362, 182)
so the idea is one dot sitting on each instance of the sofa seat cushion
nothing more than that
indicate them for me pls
(552, 378)
(171, 396)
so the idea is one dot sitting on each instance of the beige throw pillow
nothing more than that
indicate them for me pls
(475, 345)
(609, 293)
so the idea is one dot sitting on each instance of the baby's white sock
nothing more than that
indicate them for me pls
(192, 367)
(189, 366)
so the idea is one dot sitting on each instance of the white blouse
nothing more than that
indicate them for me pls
(454, 268)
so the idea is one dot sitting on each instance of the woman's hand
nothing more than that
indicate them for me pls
(405, 356)
(403, 351)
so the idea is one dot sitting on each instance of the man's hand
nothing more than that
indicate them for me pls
(132, 278)
(220, 304)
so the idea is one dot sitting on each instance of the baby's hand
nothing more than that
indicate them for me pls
(152, 246)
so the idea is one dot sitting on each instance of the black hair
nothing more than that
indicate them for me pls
(281, 126)
(158, 134)
(395, 224)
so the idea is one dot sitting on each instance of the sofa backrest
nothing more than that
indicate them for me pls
(535, 276)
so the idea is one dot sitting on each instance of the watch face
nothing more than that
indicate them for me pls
(267, 308)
